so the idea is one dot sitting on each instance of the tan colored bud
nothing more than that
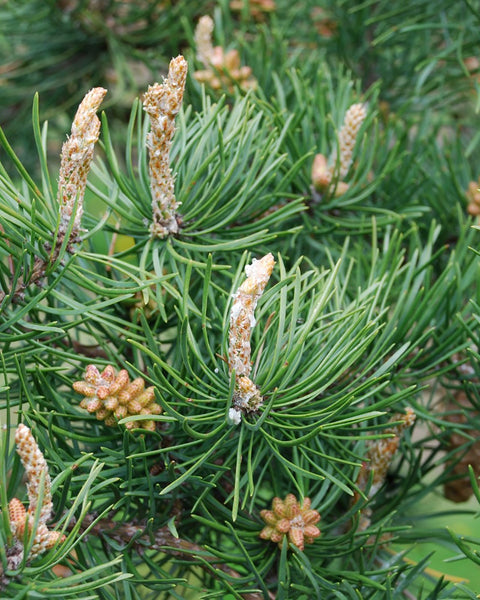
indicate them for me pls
(36, 470)
(340, 189)
(162, 102)
(35, 467)
(321, 175)
(473, 196)
(242, 319)
(76, 157)
(203, 39)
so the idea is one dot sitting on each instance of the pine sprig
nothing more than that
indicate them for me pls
(367, 321)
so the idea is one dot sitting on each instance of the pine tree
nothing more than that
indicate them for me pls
(239, 328)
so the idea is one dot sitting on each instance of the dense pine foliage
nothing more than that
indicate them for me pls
(340, 138)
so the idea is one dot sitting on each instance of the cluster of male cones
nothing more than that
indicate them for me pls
(24, 521)
(112, 396)
(287, 519)
(291, 519)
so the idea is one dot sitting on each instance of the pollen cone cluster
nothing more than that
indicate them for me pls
(381, 452)
(21, 519)
(323, 170)
(379, 457)
(223, 70)
(113, 396)
(347, 136)
(290, 518)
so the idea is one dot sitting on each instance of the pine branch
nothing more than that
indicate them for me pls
(134, 535)
(237, 397)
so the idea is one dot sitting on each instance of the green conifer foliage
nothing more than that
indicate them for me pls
(239, 324)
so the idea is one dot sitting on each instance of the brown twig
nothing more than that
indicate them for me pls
(124, 533)
(38, 271)
(163, 540)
